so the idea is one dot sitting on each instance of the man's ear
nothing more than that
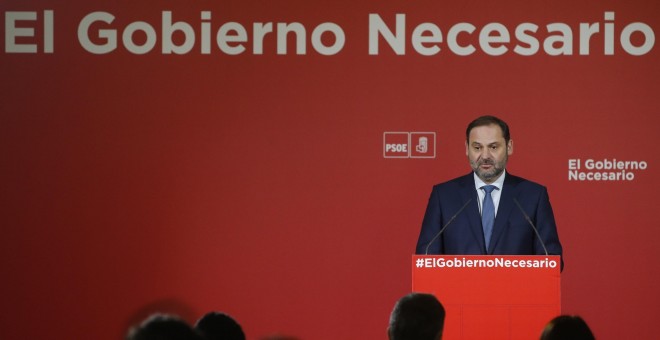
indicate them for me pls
(509, 147)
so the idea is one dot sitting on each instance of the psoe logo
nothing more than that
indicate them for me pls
(409, 144)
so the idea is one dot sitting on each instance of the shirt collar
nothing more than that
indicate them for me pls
(478, 183)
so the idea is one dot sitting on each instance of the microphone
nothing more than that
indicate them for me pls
(536, 231)
(446, 225)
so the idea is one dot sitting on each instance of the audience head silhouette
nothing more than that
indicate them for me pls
(219, 326)
(567, 327)
(417, 316)
(163, 327)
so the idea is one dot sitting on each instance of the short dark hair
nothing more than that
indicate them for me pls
(567, 327)
(489, 120)
(417, 316)
(219, 326)
(163, 327)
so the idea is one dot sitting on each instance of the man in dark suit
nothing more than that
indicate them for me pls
(491, 222)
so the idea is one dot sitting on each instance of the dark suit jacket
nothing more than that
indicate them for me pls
(512, 234)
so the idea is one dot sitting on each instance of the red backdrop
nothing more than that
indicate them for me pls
(256, 183)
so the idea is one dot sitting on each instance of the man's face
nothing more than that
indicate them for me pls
(488, 152)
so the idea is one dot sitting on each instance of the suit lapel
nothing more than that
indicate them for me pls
(469, 192)
(503, 210)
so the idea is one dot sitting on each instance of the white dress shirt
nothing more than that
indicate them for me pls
(496, 194)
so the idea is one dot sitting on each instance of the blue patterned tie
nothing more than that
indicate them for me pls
(488, 214)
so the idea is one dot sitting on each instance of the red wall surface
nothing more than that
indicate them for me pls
(256, 183)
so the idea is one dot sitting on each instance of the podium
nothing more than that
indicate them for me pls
(491, 297)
